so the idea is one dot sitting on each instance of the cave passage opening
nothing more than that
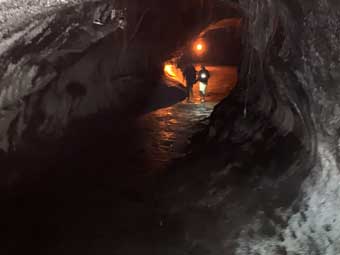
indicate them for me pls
(217, 47)
(181, 119)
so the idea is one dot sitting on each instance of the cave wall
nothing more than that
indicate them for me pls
(289, 84)
(35, 52)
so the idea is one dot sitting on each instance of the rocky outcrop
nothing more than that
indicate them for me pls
(34, 54)
(288, 88)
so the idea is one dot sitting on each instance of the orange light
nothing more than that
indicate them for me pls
(168, 70)
(199, 47)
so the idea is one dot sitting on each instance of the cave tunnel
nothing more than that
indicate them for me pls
(101, 153)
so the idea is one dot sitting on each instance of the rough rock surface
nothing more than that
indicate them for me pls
(35, 50)
(290, 83)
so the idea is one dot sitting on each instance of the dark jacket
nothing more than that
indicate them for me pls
(203, 75)
(190, 74)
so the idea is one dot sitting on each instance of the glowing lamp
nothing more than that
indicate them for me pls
(199, 47)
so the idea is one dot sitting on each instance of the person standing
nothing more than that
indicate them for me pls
(190, 78)
(203, 77)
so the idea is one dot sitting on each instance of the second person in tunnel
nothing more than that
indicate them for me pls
(190, 77)
(203, 77)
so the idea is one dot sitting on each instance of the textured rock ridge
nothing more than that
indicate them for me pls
(290, 83)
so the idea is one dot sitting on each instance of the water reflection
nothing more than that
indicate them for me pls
(169, 129)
